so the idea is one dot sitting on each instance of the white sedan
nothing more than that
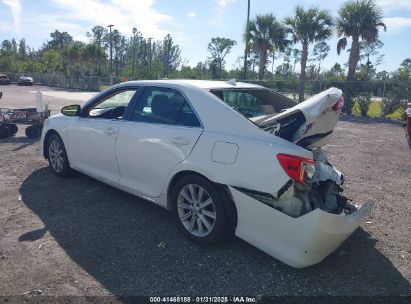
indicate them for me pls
(226, 158)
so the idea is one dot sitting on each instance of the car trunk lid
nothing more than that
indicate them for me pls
(308, 124)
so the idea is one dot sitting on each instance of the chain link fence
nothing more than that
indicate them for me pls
(376, 88)
(87, 83)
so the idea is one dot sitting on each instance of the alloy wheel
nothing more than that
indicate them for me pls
(196, 210)
(56, 156)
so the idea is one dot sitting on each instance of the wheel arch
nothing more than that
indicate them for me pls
(228, 203)
(46, 139)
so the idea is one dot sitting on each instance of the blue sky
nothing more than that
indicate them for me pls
(191, 22)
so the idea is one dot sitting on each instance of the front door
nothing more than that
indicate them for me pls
(92, 137)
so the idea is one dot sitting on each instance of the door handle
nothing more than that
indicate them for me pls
(180, 141)
(110, 131)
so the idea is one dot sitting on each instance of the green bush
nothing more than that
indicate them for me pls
(363, 102)
(374, 110)
(390, 105)
(397, 114)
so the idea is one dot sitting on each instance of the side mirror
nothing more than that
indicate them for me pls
(72, 110)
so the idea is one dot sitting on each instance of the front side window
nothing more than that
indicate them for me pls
(113, 105)
(164, 106)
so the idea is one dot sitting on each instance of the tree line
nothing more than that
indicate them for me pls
(131, 56)
(300, 39)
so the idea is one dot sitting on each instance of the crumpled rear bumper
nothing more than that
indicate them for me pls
(298, 242)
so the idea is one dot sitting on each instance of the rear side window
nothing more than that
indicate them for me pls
(245, 102)
(164, 106)
(254, 102)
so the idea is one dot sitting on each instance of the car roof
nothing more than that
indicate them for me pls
(202, 84)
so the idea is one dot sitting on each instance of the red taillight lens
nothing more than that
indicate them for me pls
(340, 103)
(298, 168)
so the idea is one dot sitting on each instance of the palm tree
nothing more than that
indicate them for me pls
(360, 19)
(306, 27)
(264, 34)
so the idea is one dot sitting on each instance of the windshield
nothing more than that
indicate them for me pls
(254, 102)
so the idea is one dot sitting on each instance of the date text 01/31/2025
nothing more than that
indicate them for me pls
(182, 299)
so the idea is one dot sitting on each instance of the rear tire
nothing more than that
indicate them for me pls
(199, 211)
(57, 157)
(33, 132)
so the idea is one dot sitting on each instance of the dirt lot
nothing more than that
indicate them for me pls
(80, 237)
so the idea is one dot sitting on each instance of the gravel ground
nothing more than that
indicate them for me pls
(78, 236)
(25, 97)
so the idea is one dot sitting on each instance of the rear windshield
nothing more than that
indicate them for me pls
(254, 102)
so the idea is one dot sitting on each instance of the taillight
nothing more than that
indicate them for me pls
(338, 106)
(298, 168)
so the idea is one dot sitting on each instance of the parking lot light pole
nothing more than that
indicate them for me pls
(111, 54)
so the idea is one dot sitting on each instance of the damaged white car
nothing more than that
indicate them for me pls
(225, 157)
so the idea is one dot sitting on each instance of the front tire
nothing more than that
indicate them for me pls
(57, 157)
(199, 211)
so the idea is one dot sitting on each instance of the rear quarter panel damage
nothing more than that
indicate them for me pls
(298, 242)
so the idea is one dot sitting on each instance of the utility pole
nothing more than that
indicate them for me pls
(111, 54)
(133, 66)
(246, 42)
(149, 62)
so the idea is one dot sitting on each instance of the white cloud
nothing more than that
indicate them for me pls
(44, 24)
(391, 5)
(396, 24)
(225, 3)
(222, 5)
(15, 7)
(191, 14)
(124, 14)
(219, 9)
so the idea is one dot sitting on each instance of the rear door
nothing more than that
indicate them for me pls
(159, 133)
